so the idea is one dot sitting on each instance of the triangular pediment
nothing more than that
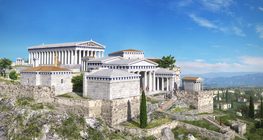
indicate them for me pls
(144, 62)
(91, 44)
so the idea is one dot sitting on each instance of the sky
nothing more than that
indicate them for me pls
(203, 35)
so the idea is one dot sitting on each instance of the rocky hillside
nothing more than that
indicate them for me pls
(25, 119)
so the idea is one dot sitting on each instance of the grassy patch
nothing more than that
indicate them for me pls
(33, 129)
(152, 100)
(203, 124)
(184, 132)
(24, 101)
(72, 95)
(152, 124)
(37, 106)
(178, 109)
(71, 127)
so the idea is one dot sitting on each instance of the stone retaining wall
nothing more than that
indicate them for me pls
(39, 93)
(202, 100)
(207, 133)
(112, 111)
(157, 131)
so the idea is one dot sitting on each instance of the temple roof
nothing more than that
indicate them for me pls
(130, 62)
(103, 59)
(164, 71)
(45, 69)
(90, 43)
(110, 73)
(127, 50)
(191, 78)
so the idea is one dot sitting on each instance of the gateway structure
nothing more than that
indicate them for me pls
(152, 79)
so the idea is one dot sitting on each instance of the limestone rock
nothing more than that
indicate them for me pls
(167, 134)
(191, 137)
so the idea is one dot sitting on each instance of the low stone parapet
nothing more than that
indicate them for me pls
(156, 131)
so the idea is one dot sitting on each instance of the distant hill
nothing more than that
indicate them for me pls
(225, 79)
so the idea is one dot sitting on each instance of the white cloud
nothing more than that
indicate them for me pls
(260, 9)
(184, 3)
(244, 64)
(237, 31)
(259, 30)
(216, 5)
(203, 22)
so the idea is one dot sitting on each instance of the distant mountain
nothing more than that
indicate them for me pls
(227, 79)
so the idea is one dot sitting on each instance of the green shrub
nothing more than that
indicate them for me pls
(13, 75)
(77, 83)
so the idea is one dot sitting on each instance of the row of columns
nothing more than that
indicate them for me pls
(151, 83)
(64, 56)
(165, 83)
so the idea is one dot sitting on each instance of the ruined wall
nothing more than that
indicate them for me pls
(112, 111)
(39, 93)
(202, 100)
(207, 133)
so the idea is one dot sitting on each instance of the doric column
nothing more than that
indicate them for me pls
(29, 58)
(162, 84)
(145, 80)
(75, 56)
(48, 57)
(158, 84)
(59, 55)
(79, 56)
(62, 57)
(153, 82)
(150, 81)
(44, 59)
(71, 57)
(167, 84)
(67, 57)
(102, 53)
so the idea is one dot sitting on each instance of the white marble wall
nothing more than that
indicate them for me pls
(99, 89)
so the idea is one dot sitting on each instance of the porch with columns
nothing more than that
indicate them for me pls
(65, 56)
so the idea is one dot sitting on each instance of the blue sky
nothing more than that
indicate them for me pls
(203, 35)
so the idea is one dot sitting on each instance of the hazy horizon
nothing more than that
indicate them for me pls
(204, 36)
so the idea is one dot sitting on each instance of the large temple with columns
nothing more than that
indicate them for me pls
(122, 74)
(67, 53)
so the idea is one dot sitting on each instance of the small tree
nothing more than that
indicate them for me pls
(77, 83)
(227, 96)
(251, 107)
(4, 65)
(261, 108)
(13, 75)
(167, 62)
(143, 111)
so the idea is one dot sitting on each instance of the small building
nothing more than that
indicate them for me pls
(129, 54)
(111, 84)
(20, 61)
(242, 99)
(51, 76)
(239, 127)
(223, 106)
(192, 84)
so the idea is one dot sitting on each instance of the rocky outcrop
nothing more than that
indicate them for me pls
(167, 134)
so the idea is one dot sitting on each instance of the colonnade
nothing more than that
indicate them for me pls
(165, 83)
(152, 83)
(65, 57)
